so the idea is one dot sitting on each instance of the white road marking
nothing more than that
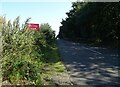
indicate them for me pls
(92, 50)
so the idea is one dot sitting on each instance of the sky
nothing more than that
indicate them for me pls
(47, 11)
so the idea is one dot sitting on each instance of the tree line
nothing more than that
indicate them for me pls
(96, 22)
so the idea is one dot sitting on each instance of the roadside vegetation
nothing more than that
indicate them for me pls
(28, 57)
(93, 22)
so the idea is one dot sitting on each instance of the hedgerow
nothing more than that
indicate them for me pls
(22, 52)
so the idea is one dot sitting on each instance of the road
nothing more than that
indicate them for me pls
(90, 65)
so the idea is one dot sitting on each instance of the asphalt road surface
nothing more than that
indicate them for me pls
(90, 65)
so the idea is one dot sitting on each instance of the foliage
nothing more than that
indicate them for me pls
(48, 33)
(96, 22)
(23, 52)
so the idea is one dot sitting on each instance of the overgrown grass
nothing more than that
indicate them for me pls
(28, 57)
(52, 65)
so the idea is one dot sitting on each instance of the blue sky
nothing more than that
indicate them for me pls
(40, 12)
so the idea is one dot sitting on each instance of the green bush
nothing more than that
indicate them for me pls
(48, 33)
(25, 52)
(21, 55)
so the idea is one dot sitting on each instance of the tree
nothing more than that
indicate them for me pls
(97, 22)
(48, 32)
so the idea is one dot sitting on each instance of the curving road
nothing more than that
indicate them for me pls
(90, 65)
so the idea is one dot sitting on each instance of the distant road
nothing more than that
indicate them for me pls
(90, 65)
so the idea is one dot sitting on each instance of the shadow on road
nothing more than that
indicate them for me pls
(90, 65)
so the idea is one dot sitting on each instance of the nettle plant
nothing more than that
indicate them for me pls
(21, 53)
